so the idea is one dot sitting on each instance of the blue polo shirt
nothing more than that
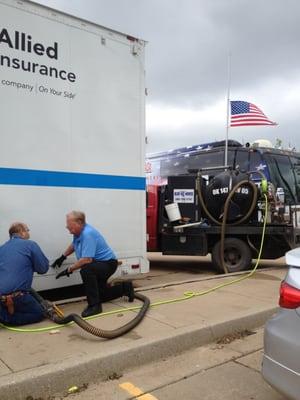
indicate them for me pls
(90, 243)
(19, 259)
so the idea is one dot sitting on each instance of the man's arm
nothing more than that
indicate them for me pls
(69, 250)
(59, 261)
(80, 263)
(88, 251)
(40, 262)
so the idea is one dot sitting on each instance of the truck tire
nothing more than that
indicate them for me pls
(237, 255)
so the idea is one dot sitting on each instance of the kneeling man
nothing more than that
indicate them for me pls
(19, 259)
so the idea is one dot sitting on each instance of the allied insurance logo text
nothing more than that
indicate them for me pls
(23, 42)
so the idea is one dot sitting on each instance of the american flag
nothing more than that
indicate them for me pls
(247, 114)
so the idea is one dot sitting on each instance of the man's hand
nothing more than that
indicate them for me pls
(58, 262)
(65, 272)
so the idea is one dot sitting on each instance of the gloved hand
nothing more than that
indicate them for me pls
(65, 272)
(58, 262)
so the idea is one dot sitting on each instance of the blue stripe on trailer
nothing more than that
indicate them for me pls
(30, 177)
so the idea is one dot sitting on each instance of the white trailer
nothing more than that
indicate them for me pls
(72, 132)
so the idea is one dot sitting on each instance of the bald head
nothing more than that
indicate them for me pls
(20, 229)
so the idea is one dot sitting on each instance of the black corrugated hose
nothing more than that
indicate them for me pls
(50, 312)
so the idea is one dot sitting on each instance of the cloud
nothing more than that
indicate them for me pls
(186, 62)
(173, 118)
(170, 127)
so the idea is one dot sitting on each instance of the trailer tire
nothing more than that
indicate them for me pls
(237, 255)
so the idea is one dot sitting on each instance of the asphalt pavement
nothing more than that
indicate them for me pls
(228, 369)
(41, 364)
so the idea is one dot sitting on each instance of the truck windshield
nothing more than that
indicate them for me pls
(296, 168)
(249, 160)
(282, 175)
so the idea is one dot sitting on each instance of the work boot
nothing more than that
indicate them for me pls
(128, 290)
(91, 310)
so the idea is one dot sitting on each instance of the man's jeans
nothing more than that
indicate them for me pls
(27, 311)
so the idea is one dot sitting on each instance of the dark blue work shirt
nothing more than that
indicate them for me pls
(19, 259)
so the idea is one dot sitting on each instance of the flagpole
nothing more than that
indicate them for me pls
(228, 105)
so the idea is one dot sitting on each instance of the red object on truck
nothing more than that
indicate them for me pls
(152, 217)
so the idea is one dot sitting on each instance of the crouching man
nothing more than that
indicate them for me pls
(19, 259)
(96, 262)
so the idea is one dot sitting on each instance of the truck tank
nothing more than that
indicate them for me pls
(218, 190)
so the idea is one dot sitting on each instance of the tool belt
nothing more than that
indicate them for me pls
(8, 300)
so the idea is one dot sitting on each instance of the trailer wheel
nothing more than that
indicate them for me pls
(237, 255)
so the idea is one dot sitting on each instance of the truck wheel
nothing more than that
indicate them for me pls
(237, 255)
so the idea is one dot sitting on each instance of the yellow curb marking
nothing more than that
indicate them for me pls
(135, 391)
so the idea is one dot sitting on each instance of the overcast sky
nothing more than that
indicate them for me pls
(187, 63)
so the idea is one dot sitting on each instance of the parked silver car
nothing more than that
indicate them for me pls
(281, 358)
